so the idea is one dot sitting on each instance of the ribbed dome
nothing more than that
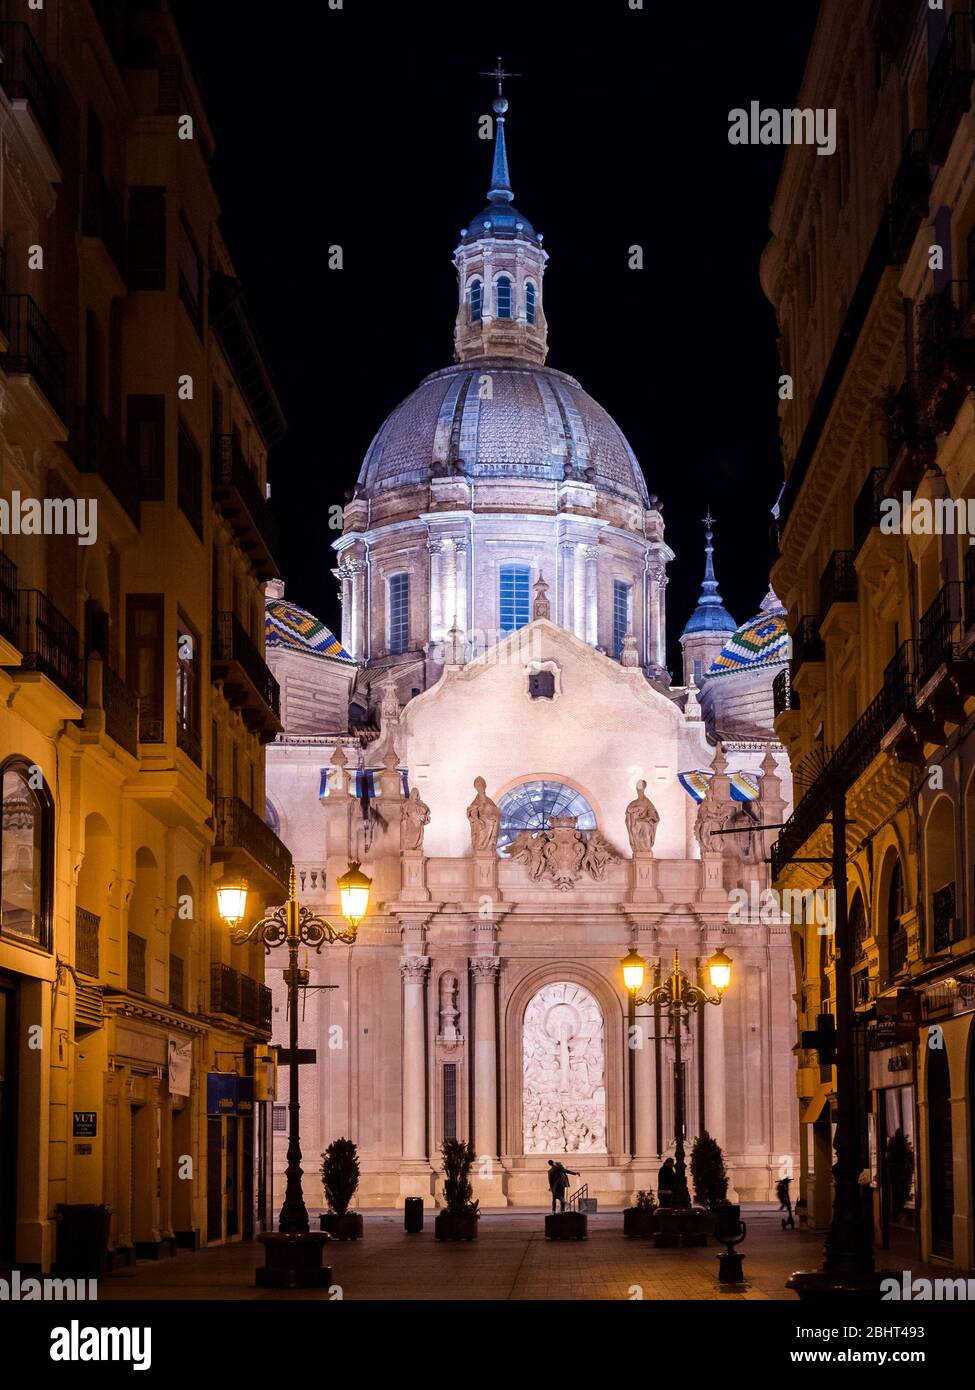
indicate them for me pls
(286, 625)
(537, 423)
(762, 641)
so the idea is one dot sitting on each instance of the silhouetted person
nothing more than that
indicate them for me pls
(558, 1181)
(785, 1202)
(666, 1178)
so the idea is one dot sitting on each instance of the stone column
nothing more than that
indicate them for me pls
(449, 584)
(462, 615)
(487, 1184)
(414, 971)
(566, 578)
(592, 595)
(656, 626)
(579, 591)
(714, 1077)
(357, 571)
(345, 574)
(436, 591)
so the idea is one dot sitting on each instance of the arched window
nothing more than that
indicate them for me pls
(532, 805)
(514, 598)
(896, 935)
(475, 300)
(26, 854)
(399, 612)
(502, 295)
(271, 817)
(530, 293)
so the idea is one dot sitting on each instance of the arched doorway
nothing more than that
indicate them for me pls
(940, 1154)
(564, 1071)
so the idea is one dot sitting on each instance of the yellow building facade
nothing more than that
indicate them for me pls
(870, 269)
(134, 698)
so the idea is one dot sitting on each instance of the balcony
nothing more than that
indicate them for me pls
(189, 741)
(112, 707)
(945, 673)
(945, 353)
(906, 728)
(224, 990)
(8, 600)
(264, 1009)
(909, 438)
(102, 452)
(152, 721)
(838, 589)
(34, 351)
(969, 583)
(231, 324)
(950, 84)
(784, 698)
(28, 82)
(86, 926)
(247, 683)
(136, 964)
(866, 508)
(807, 645)
(103, 219)
(243, 839)
(49, 644)
(237, 495)
(250, 1004)
(909, 194)
(177, 987)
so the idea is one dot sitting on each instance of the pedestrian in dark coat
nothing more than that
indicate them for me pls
(558, 1181)
(666, 1179)
(785, 1202)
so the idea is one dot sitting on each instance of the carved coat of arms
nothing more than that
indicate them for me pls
(562, 852)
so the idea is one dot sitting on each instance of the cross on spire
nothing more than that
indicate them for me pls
(499, 74)
(708, 519)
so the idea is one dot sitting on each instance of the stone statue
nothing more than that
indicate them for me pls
(527, 849)
(389, 706)
(414, 815)
(449, 1012)
(599, 853)
(711, 817)
(641, 821)
(747, 844)
(484, 818)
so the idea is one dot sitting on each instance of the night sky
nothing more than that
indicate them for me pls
(359, 127)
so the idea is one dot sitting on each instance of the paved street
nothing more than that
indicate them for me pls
(510, 1260)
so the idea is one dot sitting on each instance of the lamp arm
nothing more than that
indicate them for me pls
(316, 931)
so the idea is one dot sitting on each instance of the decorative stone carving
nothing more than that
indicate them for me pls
(448, 1035)
(562, 852)
(712, 815)
(564, 1066)
(389, 706)
(629, 655)
(642, 818)
(541, 607)
(414, 815)
(484, 818)
(414, 969)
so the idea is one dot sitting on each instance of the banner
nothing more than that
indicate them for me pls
(180, 1066)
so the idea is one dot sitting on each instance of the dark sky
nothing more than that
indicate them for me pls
(359, 126)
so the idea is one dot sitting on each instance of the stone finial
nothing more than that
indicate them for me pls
(389, 706)
(692, 705)
(390, 781)
(541, 606)
(455, 647)
(338, 781)
(771, 786)
(629, 656)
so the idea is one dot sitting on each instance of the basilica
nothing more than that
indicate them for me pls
(496, 737)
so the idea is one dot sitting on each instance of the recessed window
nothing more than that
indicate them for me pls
(26, 850)
(399, 612)
(503, 297)
(188, 736)
(532, 805)
(514, 597)
(476, 300)
(622, 598)
(530, 302)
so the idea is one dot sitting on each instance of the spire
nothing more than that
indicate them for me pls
(710, 615)
(500, 190)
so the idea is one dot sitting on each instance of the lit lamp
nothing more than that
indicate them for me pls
(354, 888)
(232, 902)
(634, 970)
(719, 969)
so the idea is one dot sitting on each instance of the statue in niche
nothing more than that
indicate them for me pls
(642, 818)
(414, 815)
(484, 818)
(449, 1012)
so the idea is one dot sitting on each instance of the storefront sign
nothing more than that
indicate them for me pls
(84, 1124)
(180, 1066)
(221, 1093)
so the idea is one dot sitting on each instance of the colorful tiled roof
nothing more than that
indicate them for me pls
(762, 641)
(287, 625)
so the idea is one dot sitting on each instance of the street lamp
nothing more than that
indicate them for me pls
(680, 998)
(293, 926)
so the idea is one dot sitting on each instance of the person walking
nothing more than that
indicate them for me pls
(666, 1177)
(785, 1202)
(558, 1181)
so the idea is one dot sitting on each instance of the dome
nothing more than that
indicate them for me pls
(537, 424)
(499, 221)
(762, 641)
(709, 618)
(295, 629)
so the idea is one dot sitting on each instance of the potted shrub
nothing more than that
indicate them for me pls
(708, 1172)
(640, 1219)
(458, 1220)
(340, 1178)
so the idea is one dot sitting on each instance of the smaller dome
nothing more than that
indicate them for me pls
(711, 617)
(762, 641)
(288, 626)
(499, 220)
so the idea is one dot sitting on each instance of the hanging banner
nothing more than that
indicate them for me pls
(180, 1066)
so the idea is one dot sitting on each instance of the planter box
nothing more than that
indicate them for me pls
(448, 1227)
(682, 1226)
(567, 1225)
(638, 1222)
(347, 1227)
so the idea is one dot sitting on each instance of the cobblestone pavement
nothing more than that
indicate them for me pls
(511, 1259)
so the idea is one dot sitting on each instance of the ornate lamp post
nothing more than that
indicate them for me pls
(680, 998)
(294, 1254)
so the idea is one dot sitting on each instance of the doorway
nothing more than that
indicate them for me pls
(8, 1121)
(940, 1153)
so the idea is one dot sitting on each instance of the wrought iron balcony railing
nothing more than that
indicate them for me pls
(237, 493)
(247, 679)
(189, 740)
(946, 927)
(238, 828)
(783, 696)
(939, 632)
(969, 616)
(807, 645)
(121, 708)
(152, 721)
(34, 349)
(950, 84)
(25, 76)
(8, 599)
(103, 452)
(103, 217)
(86, 926)
(177, 986)
(49, 643)
(909, 194)
(866, 508)
(225, 990)
(838, 583)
